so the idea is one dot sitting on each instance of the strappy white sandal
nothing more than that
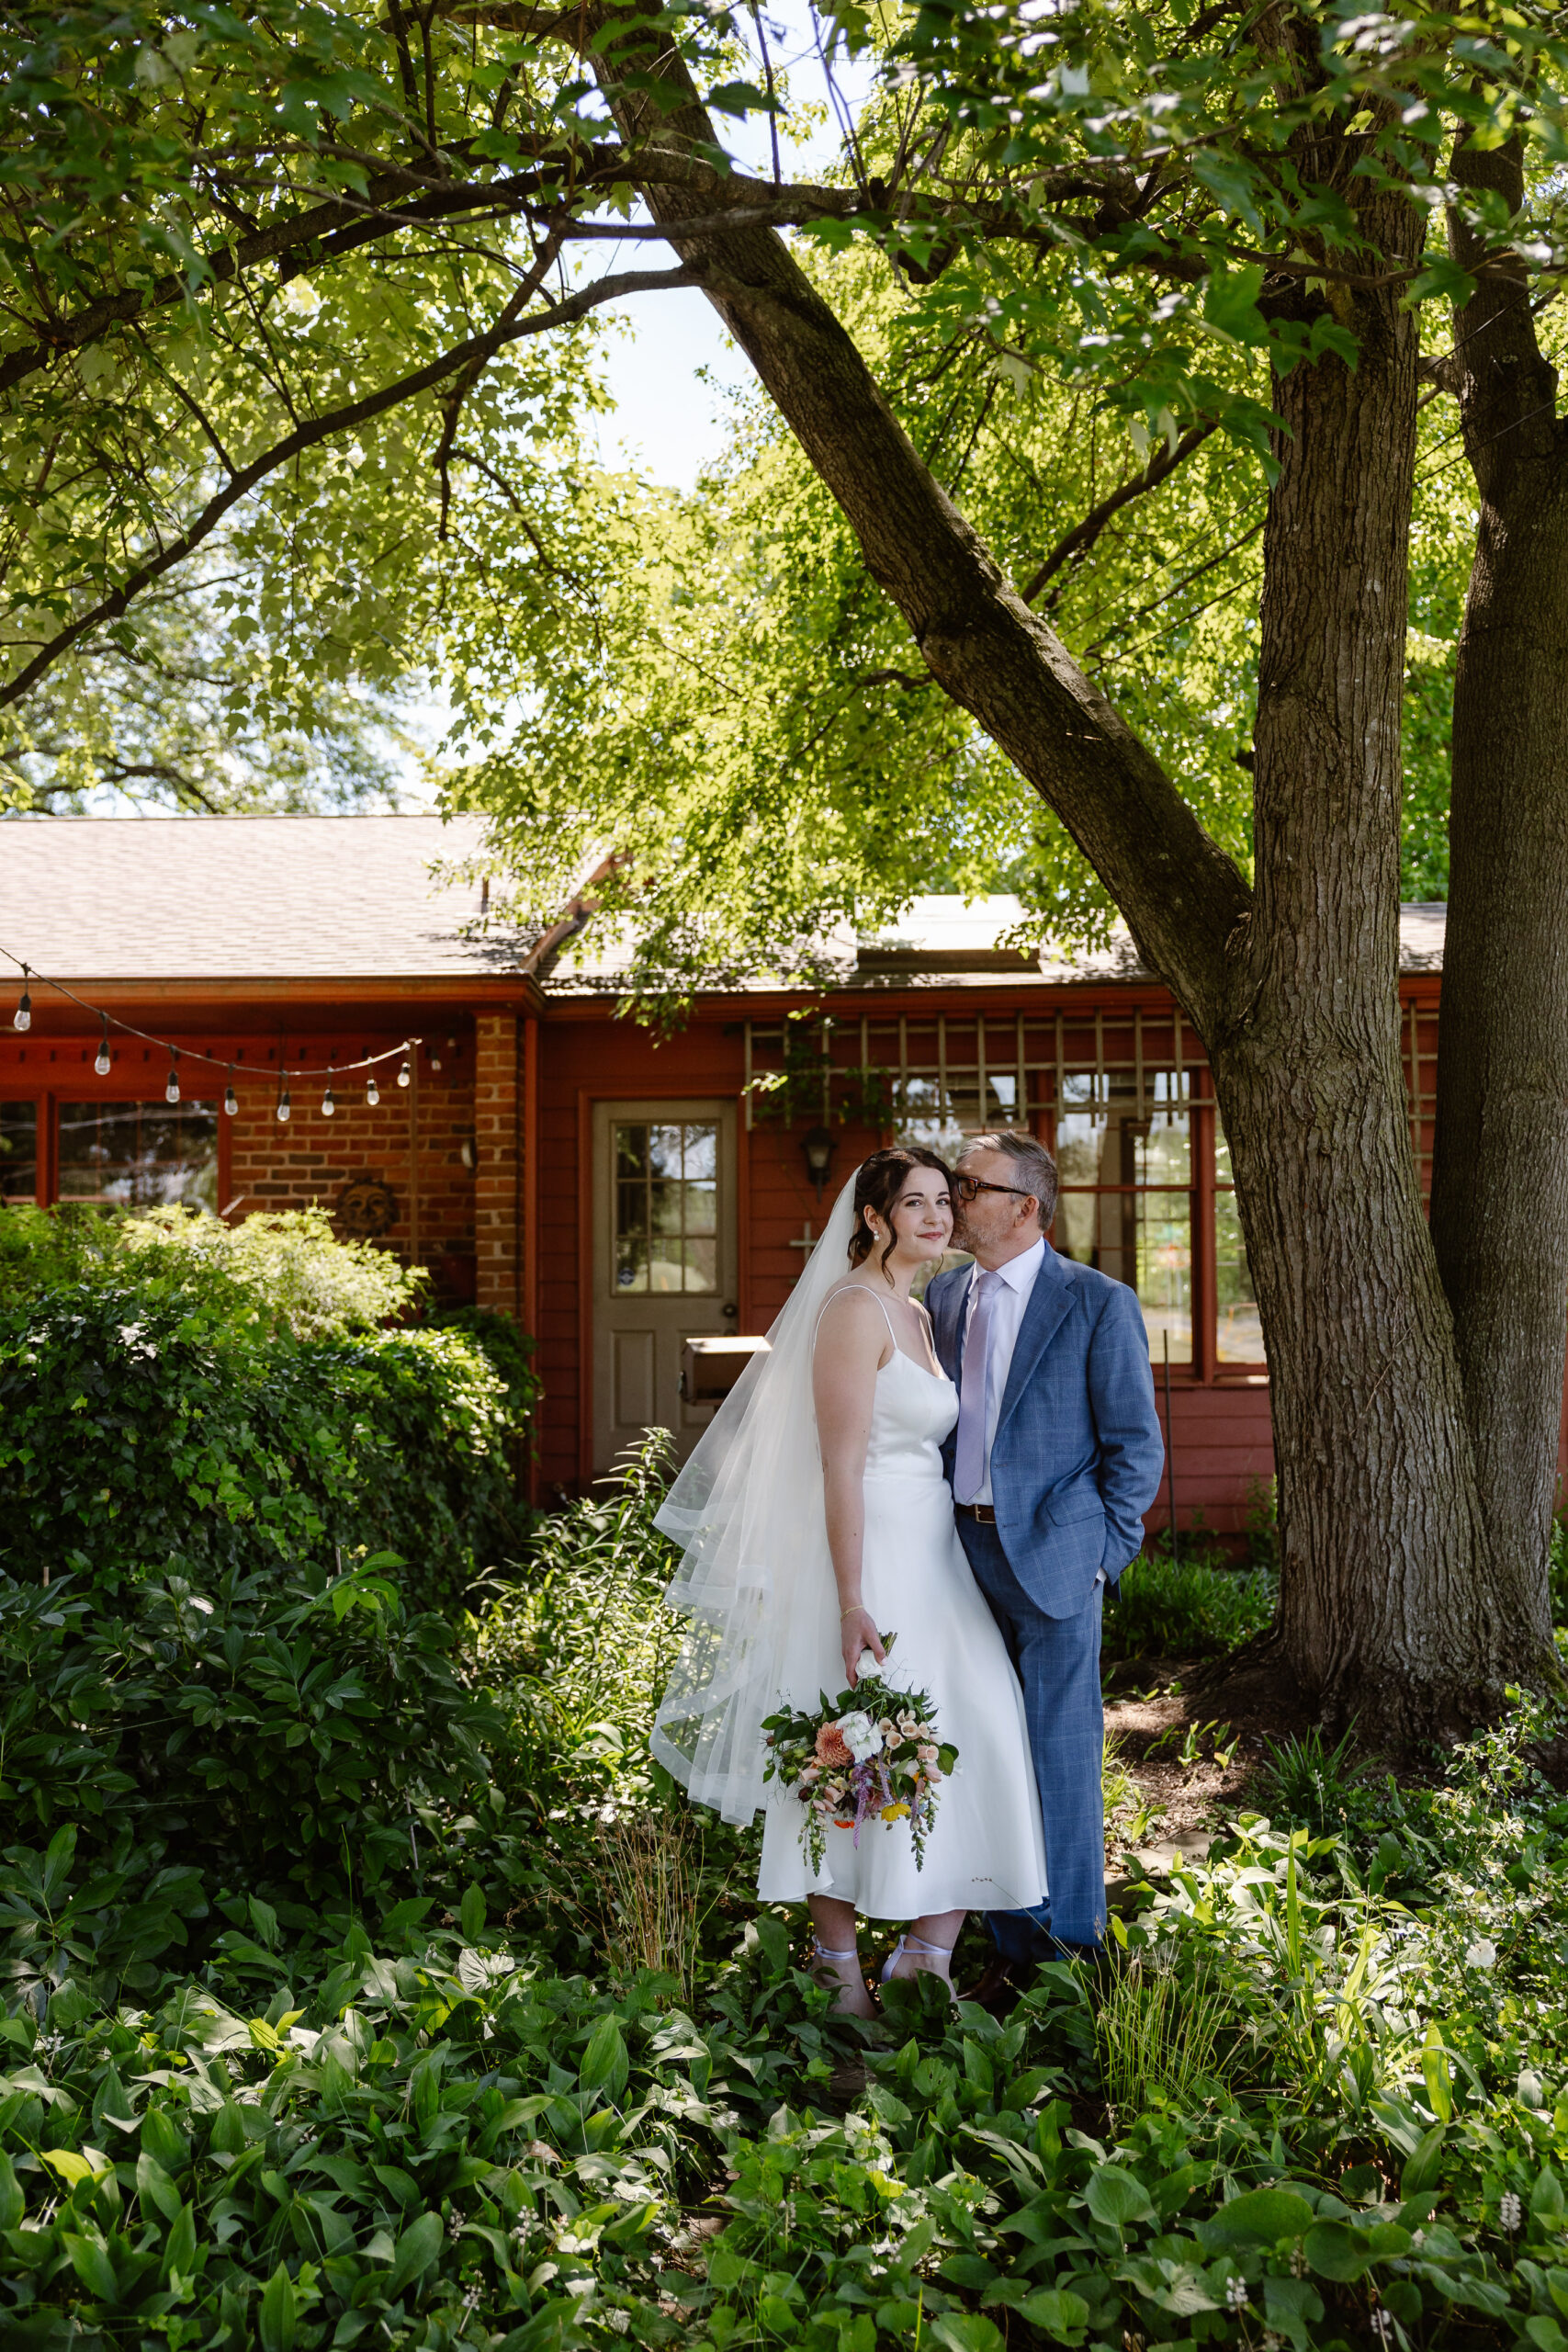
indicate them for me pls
(913, 1944)
(845, 1967)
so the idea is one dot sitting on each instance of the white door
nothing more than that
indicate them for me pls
(664, 1263)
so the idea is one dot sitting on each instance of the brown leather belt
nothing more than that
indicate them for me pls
(983, 1513)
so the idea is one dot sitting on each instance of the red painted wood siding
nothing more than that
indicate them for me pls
(1223, 1442)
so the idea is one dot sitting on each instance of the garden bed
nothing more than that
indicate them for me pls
(463, 2030)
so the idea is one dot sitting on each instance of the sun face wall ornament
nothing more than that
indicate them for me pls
(365, 1208)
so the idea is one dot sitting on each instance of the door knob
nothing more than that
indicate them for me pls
(729, 1311)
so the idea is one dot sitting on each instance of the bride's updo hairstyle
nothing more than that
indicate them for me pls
(878, 1184)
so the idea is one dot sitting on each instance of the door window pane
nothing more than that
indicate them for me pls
(138, 1155)
(1143, 1239)
(19, 1151)
(666, 1206)
(1240, 1327)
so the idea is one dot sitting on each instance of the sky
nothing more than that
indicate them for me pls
(669, 422)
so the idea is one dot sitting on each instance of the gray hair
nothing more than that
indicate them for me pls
(1033, 1164)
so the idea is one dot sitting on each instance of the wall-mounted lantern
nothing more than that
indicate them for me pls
(818, 1146)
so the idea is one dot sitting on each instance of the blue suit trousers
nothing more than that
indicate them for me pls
(1057, 1662)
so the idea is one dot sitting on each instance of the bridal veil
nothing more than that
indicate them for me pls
(756, 1577)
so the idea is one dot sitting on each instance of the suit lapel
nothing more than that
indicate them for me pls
(1048, 1302)
(948, 1321)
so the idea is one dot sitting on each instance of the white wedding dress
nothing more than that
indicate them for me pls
(986, 1851)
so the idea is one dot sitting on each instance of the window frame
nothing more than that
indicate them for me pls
(49, 1098)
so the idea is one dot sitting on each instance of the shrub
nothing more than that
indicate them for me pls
(287, 1725)
(158, 1415)
(579, 1648)
(1194, 1607)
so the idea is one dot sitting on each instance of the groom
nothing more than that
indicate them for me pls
(1056, 1457)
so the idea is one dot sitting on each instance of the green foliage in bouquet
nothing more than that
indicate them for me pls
(874, 1753)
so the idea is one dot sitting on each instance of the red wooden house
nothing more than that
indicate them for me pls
(616, 1194)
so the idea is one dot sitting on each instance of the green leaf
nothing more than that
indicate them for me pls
(1058, 2312)
(1436, 2075)
(1230, 306)
(1335, 2251)
(72, 2169)
(154, 2187)
(1423, 2170)
(1260, 2217)
(417, 2249)
(472, 1915)
(90, 2261)
(179, 2246)
(1116, 2196)
(605, 2064)
(279, 2315)
(13, 2198)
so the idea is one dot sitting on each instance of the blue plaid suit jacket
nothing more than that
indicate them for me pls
(1078, 1454)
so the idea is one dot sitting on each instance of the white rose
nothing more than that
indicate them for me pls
(860, 1735)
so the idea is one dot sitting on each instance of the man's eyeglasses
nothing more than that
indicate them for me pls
(966, 1187)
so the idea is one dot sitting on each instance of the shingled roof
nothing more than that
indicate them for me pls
(243, 898)
(142, 899)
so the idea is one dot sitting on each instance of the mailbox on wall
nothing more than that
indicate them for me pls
(710, 1367)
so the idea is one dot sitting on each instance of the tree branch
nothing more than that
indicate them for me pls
(474, 348)
(1183, 897)
(1077, 543)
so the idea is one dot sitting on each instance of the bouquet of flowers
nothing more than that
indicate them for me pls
(872, 1753)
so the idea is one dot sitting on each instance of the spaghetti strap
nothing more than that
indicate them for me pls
(866, 1287)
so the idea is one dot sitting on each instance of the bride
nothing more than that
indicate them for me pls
(815, 1521)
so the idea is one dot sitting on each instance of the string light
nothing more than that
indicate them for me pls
(230, 1100)
(329, 1108)
(22, 1020)
(283, 1102)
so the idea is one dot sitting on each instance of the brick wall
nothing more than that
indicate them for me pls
(278, 1165)
(498, 1203)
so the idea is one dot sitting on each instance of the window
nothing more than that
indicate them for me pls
(1240, 1332)
(666, 1206)
(19, 1151)
(138, 1155)
(1126, 1200)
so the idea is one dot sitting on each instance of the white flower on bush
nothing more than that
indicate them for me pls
(1510, 2211)
(1482, 1954)
(860, 1735)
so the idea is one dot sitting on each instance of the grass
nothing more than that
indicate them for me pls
(1158, 2035)
(1197, 1606)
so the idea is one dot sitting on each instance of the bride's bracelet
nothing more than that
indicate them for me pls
(855, 1612)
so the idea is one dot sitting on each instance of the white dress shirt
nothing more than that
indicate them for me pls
(1018, 1279)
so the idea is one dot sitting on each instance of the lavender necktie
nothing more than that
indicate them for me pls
(969, 1458)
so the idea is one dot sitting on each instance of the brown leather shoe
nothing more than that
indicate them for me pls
(998, 1989)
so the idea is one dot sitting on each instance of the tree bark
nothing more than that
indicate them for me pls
(1500, 1172)
(1385, 1597)
(1386, 1605)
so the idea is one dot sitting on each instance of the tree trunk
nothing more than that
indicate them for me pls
(1387, 1607)
(1385, 1602)
(1500, 1174)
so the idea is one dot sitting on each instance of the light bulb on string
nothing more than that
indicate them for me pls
(23, 1016)
(283, 1103)
(104, 1061)
(372, 1091)
(172, 1084)
(403, 1071)
(329, 1108)
(230, 1100)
